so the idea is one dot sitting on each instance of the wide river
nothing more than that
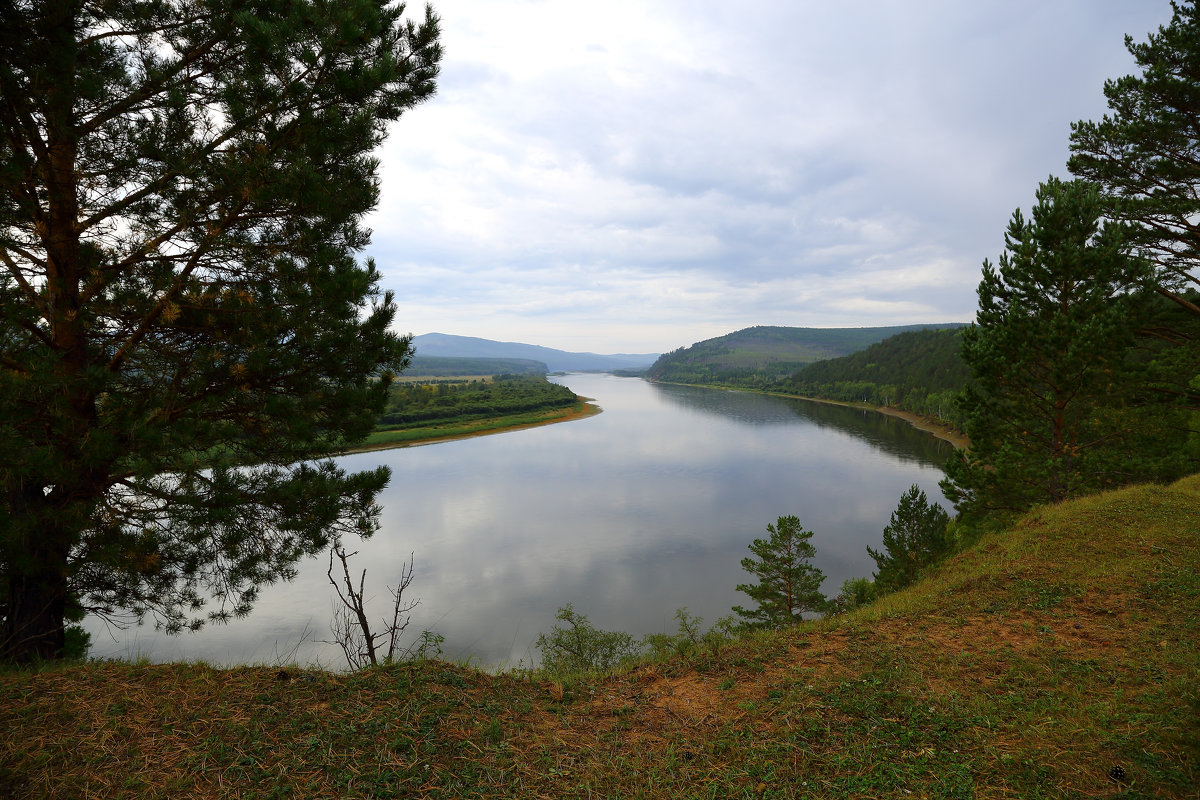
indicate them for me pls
(629, 515)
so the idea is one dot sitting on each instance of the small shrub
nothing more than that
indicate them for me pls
(580, 647)
(690, 636)
(855, 592)
(428, 647)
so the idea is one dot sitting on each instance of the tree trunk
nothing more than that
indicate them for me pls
(36, 573)
(39, 541)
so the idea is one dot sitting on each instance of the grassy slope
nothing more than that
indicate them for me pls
(1026, 667)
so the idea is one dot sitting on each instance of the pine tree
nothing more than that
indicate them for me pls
(788, 584)
(1048, 409)
(185, 330)
(1146, 154)
(914, 538)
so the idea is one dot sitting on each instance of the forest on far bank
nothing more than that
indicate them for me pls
(419, 402)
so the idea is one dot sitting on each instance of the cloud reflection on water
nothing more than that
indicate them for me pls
(629, 515)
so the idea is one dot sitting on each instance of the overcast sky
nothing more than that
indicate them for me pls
(638, 176)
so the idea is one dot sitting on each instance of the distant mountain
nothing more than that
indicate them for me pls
(447, 345)
(764, 354)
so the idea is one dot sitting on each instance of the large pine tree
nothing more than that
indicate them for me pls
(1146, 153)
(1049, 409)
(185, 329)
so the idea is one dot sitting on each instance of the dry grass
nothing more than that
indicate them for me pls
(1028, 667)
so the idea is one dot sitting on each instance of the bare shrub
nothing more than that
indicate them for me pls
(351, 626)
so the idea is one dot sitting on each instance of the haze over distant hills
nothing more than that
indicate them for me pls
(449, 346)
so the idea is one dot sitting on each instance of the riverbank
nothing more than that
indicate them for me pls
(444, 432)
(1045, 661)
(943, 432)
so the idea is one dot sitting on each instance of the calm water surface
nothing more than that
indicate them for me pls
(629, 515)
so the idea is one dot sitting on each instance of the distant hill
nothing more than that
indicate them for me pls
(449, 366)
(446, 345)
(764, 354)
(930, 358)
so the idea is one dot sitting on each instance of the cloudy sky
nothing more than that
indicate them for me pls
(638, 176)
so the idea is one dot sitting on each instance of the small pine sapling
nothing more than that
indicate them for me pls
(788, 584)
(914, 538)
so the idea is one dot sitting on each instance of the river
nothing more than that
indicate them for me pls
(629, 515)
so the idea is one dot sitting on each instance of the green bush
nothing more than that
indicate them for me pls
(580, 647)
(690, 637)
(855, 592)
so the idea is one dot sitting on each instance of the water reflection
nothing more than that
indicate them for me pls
(630, 514)
(890, 434)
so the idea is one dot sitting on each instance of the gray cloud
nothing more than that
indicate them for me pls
(638, 176)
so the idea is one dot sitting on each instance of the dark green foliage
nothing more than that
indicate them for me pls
(76, 643)
(758, 357)
(1146, 154)
(1052, 410)
(855, 592)
(914, 538)
(918, 371)
(184, 326)
(451, 366)
(788, 584)
(418, 402)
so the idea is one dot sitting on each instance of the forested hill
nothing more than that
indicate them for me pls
(445, 366)
(763, 355)
(919, 371)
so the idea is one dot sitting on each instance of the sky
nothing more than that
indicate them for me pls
(634, 177)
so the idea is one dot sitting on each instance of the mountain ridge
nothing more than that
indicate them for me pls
(765, 353)
(451, 346)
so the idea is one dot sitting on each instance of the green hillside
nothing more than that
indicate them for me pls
(918, 371)
(1057, 659)
(761, 355)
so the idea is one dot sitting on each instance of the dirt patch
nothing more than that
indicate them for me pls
(690, 699)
